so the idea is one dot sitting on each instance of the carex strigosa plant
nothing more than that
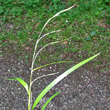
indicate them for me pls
(31, 106)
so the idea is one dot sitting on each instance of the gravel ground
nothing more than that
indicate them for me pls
(81, 90)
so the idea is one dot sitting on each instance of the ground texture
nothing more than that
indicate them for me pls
(84, 89)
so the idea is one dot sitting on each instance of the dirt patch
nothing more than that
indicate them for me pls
(84, 89)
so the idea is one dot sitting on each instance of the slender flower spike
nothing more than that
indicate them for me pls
(55, 81)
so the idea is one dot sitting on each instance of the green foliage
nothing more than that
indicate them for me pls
(59, 78)
(53, 96)
(18, 7)
(32, 3)
(22, 82)
(28, 17)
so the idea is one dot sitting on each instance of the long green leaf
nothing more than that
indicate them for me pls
(59, 78)
(47, 102)
(22, 82)
(51, 64)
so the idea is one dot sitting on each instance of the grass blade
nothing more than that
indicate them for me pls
(47, 102)
(22, 82)
(52, 64)
(59, 78)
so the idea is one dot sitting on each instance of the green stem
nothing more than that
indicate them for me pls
(29, 99)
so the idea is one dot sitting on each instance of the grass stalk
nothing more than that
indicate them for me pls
(36, 54)
(58, 79)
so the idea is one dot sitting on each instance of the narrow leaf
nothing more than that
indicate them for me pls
(59, 78)
(47, 102)
(51, 64)
(22, 82)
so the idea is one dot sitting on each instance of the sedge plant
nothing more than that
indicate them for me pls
(31, 105)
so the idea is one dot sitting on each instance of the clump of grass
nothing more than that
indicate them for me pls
(54, 82)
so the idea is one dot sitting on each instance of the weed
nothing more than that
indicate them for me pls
(54, 82)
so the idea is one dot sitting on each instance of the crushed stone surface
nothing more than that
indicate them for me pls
(81, 90)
